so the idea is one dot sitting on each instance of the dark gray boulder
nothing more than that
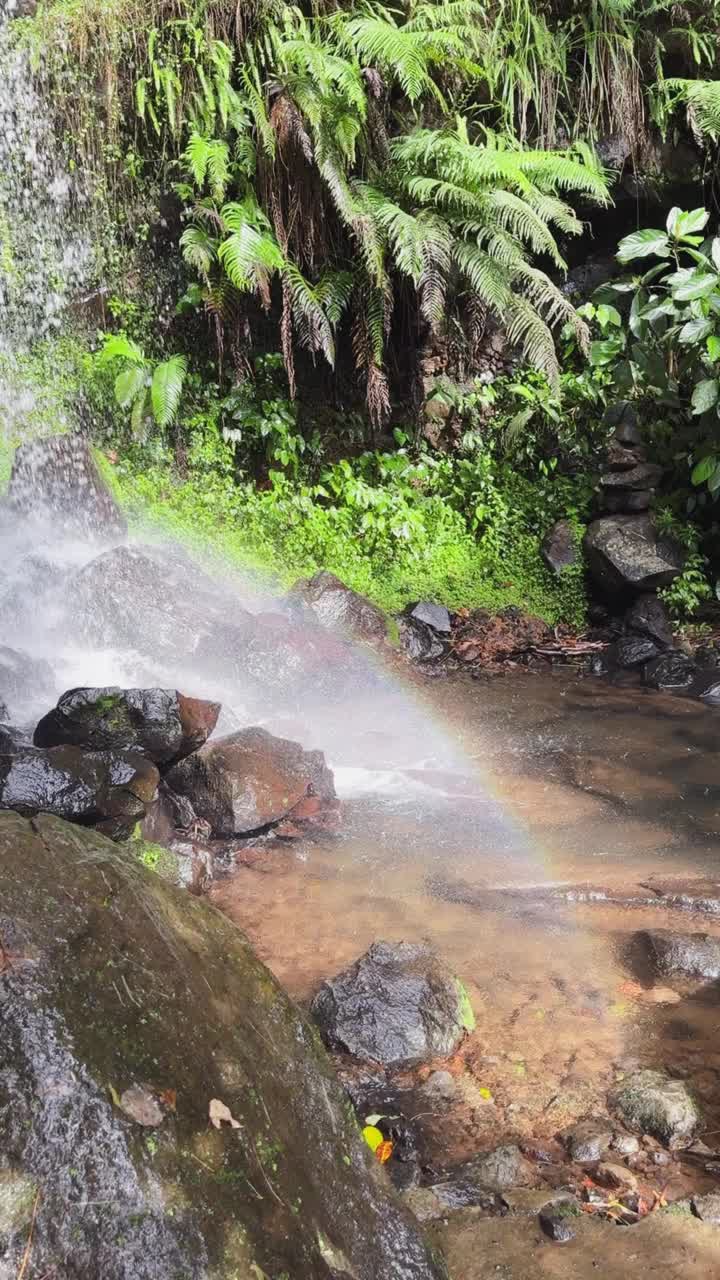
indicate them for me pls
(687, 955)
(251, 781)
(652, 1103)
(57, 479)
(626, 501)
(120, 986)
(559, 1219)
(558, 548)
(671, 670)
(644, 475)
(498, 1170)
(633, 651)
(110, 790)
(707, 1208)
(397, 1004)
(435, 616)
(706, 687)
(161, 724)
(648, 616)
(340, 608)
(622, 419)
(419, 642)
(626, 553)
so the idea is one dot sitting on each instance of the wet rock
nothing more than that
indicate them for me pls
(57, 479)
(558, 548)
(161, 724)
(558, 1219)
(498, 1170)
(648, 616)
(397, 1004)
(142, 1106)
(271, 655)
(435, 616)
(24, 681)
(419, 642)
(623, 420)
(707, 656)
(588, 1140)
(12, 740)
(620, 457)
(108, 790)
(103, 944)
(626, 501)
(625, 1144)
(652, 1103)
(626, 553)
(251, 781)
(671, 670)
(440, 1085)
(707, 1208)
(706, 687)
(689, 955)
(644, 475)
(340, 608)
(633, 651)
(615, 1176)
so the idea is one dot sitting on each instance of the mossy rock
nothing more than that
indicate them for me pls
(119, 979)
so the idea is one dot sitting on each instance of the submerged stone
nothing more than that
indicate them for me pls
(118, 979)
(159, 723)
(688, 955)
(652, 1103)
(397, 1004)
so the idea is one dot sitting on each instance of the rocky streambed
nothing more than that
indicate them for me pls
(496, 904)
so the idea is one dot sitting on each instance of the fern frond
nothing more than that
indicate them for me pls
(166, 389)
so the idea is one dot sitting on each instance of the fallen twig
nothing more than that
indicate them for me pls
(28, 1246)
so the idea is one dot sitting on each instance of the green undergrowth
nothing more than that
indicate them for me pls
(392, 528)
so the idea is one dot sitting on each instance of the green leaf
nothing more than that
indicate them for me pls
(700, 285)
(120, 347)
(644, 244)
(695, 330)
(129, 384)
(137, 417)
(608, 315)
(713, 347)
(705, 395)
(166, 389)
(703, 469)
(672, 219)
(715, 252)
(687, 223)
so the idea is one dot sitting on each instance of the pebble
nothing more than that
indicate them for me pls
(707, 1208)
(439, 1085)
(615, 1175)
(626, 1144)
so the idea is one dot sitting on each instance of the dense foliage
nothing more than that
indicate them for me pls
(354, 196)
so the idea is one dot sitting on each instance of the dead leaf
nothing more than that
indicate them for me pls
(219, 1113)
(142, 1106)
(168, 1097)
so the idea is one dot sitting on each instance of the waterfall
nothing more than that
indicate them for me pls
(45, 248)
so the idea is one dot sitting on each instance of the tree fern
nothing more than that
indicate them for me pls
(166, 389)
(702, 98)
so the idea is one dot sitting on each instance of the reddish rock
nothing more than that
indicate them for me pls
(252, 781)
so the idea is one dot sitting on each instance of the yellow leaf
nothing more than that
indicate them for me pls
(373, 1137)
(114, 1094)
(485, 1093)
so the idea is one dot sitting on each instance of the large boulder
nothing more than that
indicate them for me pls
(251, 781)
(686, 955)
(340, 608)
(652, 1103)
(397, 1004)
(167, 1113)
(57, 479)
(107, 789)
(626, 553)
(161, 724)
(270, 655)
(673, 669)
